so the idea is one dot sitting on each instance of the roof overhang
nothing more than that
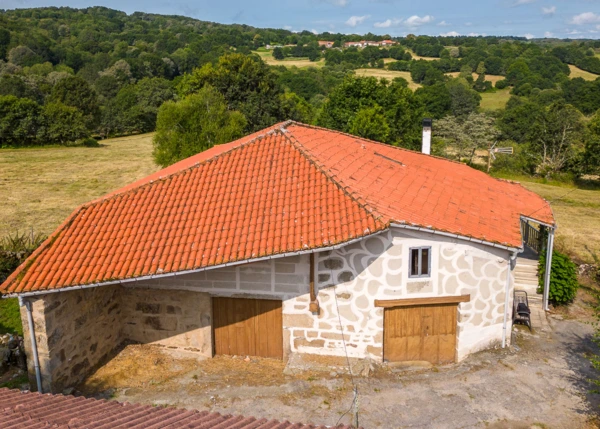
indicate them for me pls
(457, 236)
(196, 270)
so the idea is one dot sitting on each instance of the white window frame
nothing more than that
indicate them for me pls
(419, 263)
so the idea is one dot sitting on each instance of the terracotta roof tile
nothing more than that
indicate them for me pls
(34, 410)
(286, 189)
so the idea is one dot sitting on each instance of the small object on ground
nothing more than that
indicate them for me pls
(521, 311)
(68, 391)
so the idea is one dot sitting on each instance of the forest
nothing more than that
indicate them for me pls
(76, 76)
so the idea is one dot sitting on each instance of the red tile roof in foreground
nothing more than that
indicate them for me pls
(33, 410)
(289, 188)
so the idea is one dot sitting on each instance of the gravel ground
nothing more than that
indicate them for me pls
(540, 383)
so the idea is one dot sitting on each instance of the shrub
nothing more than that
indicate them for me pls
(90, 142)
(563, 278)
(501, 84)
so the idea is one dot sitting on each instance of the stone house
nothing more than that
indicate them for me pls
(293, 241)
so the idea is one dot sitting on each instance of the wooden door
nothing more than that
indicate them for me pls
(248, 327)
(425, 332)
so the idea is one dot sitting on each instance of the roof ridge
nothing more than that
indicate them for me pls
(333, 177)
(316, 127)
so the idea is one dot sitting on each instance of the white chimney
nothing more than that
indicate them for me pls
(426, 146)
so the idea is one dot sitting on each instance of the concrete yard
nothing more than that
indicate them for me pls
(542, 382)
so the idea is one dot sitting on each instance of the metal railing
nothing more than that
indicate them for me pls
(531, 236)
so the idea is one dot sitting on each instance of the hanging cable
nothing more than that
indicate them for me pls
(354, 404)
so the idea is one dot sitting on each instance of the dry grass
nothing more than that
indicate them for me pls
(267, 57)
(488, 77)
(418, 57)
(40, 187)
(138, 366)
(388, 74)
(577, 72)
(495, 100)
(577, 213)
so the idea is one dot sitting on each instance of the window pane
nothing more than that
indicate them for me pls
(425, 262)
(414, 262)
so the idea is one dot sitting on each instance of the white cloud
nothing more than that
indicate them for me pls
(548, 34)
(287, 27)
(528, 36)
(450, 34)
(468, 24)
(341, 3)
(522, 2)
(415, 21)
(585, 18)
(476, 34)
(443, 24)
(353, 21)
(387, 23)
(384, 24)
(549, 11)
(313, 31)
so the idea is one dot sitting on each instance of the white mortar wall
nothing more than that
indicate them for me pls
(352, 278)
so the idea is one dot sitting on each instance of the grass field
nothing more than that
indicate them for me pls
(267, 57)
(488, 77)
(418, 57)
(40, 187)
(495, 100)
(388, 74)
(577, 72)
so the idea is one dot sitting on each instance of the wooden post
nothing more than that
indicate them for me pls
(314, 302)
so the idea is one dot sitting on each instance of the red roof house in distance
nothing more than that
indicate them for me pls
(296, 240)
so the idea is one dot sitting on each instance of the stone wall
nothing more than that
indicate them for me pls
(352, 278)
(175, 318)
(285, 279)
(76, 331)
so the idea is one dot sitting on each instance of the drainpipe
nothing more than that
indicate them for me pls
(36, 360)
(507, 288)
(549, 249)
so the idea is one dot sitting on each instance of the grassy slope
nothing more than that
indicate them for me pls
(41, 187)
(495, 100)
(577, 72)
(388, 74)
(267, 57)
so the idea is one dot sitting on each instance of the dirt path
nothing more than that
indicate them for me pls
(541, 383)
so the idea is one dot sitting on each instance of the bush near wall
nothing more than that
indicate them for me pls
(563, 278)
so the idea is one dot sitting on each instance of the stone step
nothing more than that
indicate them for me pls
(526, 269)
(527, 261)
(526, 281)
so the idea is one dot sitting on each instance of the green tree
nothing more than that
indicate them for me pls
(554, 134)
(278, 53)
(464, 99)
(19, 121)
(247, 84)
(76, 92)
(296, 108)
(62, 124)
(194, 124)
(370, 123)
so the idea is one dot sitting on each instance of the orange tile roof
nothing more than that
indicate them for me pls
(289, 188)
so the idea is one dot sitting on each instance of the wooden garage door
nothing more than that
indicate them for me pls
(247, 327)
(425, 332)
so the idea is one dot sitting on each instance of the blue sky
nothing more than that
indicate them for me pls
(529, 18)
